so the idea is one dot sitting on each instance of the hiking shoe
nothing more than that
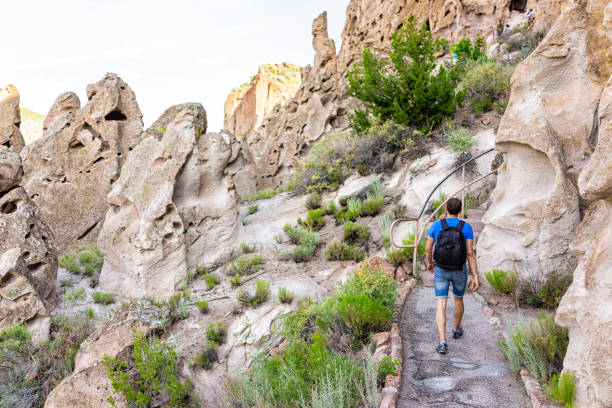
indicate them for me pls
(442, 348)
(457, 333)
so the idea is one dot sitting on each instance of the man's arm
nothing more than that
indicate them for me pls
(428, 254)
(471, 256)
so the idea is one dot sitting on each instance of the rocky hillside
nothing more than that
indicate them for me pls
(248, 105)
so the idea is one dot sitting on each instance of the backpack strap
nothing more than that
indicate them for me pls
(444, 224)
(460, 226)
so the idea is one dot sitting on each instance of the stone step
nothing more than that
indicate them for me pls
(475, 214)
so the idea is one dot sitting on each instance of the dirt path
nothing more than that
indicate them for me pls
(472, 374)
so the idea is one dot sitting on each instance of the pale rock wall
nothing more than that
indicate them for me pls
(70, 170)
(10, 120)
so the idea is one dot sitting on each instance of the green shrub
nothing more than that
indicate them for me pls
(363, 315)
(253, 209)
(278, 238)
(235, 281)
(385, 228)
(89, 270)
(374, 283)
(314, 221)
(388, 366)
(94, 283)
(503, 282)
(202, 306)
(485, 81)
(302, 253)
(313, 202)
(14, 337)
(284, 296)
(343, 201)
(201, 269)
(341, 251)
(307, 242)
(246, 221)
(75, 295)
(465, 50)
(398, 256)
(262, 290)
(216, 332)
(260, 195)
(68, 262)
(211, 280)
(209, 356)
(293, 378)
(458, 138)
(372, 207)
(245, 266)
(103, 298)
(421, 247)
(178, 307)
(246, 249)
(154, 374)
(330, 208)
(355, 233)
(404, 87)
(66, 283)
(540, 346)
(547, 294)
(563, 389)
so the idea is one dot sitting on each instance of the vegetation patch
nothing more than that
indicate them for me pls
(202, 306)
(355, 233)
(284, 296)
(306, 241)
(253, 209)
(341, 251)
(261, 195)
(314, 221)
(103, 298)
(75, 295)
(485, 82)
(262, 290)
(211, 280)
(504, 282)
(245, 266)
(87, 260)
(216, 332)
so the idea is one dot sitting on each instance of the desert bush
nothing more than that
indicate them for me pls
(210, 279)
(343, 201)
(103, 298)
(314, 221)
(253, 209)
(355, 233)
(201, 269)
(330, 208)
(66, 283)
(216, 332)
(503, 282)
(540, 346)
(75, 295)
(246, 221)
(245, 266)
(247, 249)
(15, 337)
(465, 50)
(372, 207)
(406, 87)
(548, 293)
(362, 315)
(209, 356)
(88, 259)
(485, 81)
(307, 242)
(284, 296)
(388, 366)
(341, 251)
(262, 290)
(94, 283)
(562, 389)
(178, 307)
(235, 281)
(313, 202)
(458, 138)
(68, 262)
(261, 195)
(151, 372)
(202, 306)
(385, 228)
(398, 256)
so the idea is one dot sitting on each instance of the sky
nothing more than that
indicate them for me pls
(168, 52)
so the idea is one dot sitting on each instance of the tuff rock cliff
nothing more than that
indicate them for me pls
(556, 136)
(10, 120)
(70, 170)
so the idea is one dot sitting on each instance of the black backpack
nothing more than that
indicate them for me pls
(450, 252)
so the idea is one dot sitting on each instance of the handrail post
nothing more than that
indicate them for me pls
(463, 192)
(415, 251)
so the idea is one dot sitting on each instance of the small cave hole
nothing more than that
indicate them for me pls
(8, 208)
(76, 144)
(98, 160)
(518, 5)
(115, 115)
(35, 266)
(26, 255)
(7, 144)
(446, 13)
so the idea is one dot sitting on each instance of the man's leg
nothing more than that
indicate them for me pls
(458, 312)
(441, 318)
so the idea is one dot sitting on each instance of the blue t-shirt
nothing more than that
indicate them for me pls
(435, 229)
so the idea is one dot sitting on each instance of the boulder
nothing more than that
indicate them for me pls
(20, 302)
(89, 386)
(70, 170)
(10, 120)
(172, 208)
(547, 133)
(11, 171)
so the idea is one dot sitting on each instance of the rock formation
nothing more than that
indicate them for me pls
(247, 105)
(548, 132)
(172, 207)
(556, 137)
(10, 120)
(71, 169)
(89, 386)
(28, 259)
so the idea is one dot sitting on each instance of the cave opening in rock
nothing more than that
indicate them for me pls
(8, 207)
(518, 5)
(115, 115)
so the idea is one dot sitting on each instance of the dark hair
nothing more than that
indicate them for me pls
(453, 206)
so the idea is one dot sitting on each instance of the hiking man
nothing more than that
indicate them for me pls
(454, 243)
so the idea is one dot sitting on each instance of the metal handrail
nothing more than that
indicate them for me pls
(418, 236)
